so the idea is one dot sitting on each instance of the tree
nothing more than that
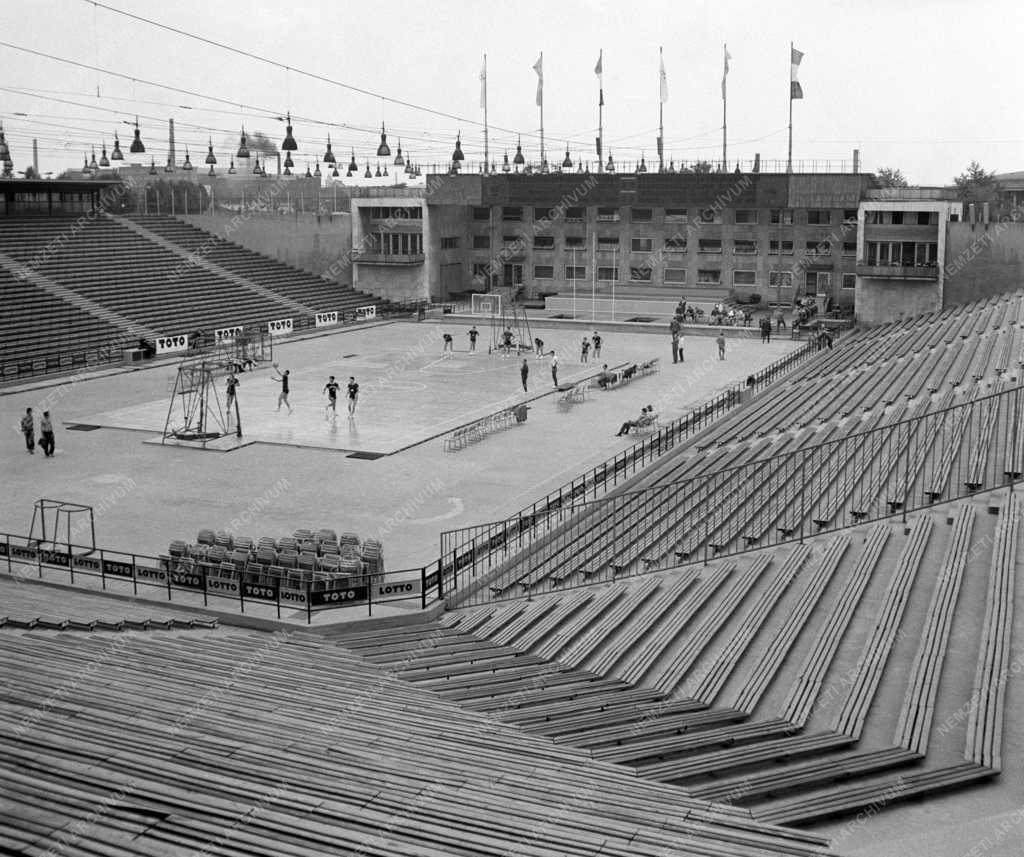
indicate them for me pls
(890, 177)
(976, 185)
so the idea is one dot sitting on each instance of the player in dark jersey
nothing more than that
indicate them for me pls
(473, 334)
(352, 392)
(596, 339)
(331, 389)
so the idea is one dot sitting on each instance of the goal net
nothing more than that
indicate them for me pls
(485, 304)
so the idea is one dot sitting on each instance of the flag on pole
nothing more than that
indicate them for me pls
(795, 90)
(663, 91)
(539, 68)
(599, 71)
(483, 83)
(725, 70)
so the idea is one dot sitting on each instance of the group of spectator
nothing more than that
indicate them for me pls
(46, 439)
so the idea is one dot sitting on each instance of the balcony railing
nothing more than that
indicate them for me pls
(377, 258)
(898, 272)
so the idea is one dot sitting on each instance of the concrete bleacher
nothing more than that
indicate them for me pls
(844, 441)
(800, 682)
(155, 275)
(286, 744)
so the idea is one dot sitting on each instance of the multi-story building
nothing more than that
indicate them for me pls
(780, 236)
(901, 249)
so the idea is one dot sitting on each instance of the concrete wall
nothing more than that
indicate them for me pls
(317, 244)
(879, 301)
(983, 260)
(393, 282)
(446, 221)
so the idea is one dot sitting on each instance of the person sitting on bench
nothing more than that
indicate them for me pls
(605, 378)
(646, 418)
(629, 372)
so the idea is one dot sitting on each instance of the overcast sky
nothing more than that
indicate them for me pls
(922, 85)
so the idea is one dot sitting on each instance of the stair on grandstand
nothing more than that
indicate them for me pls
(111, 265)
(292, 284)
(44, 328)
(797, 682)
(319, 742)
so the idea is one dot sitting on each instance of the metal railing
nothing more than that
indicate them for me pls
(469, 546)
(892, 469)
(252, 585)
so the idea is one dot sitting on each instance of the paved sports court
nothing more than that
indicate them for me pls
(383, 475)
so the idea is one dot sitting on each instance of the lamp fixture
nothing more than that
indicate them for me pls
(211, 159)
(136, 147)
(329, 155)
(116, 155)
(243, 148)
(383, 150)
(289, 144)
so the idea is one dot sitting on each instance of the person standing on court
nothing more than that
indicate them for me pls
(331, 389)
(596, 338)
(46, 434)
(473, 334)
(448, 346)
(554, 368)
(28, 428)
(524, 372)
(682, 357)
(721, 346)
(282, 399)
(352, 391)
(584, 350)
(673, 328)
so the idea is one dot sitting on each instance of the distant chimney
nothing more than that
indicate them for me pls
(35, 156)
(971, 215)
(856, 161)
(757, 162)
(170, 141)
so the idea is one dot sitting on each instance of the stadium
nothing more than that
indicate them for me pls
(549, 507)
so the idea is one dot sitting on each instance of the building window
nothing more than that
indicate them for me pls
(451, 243)
(543, 272)
(511, 239)
(744, 247)
(709, 215)
(708, 277)
(927, 218)
(819, 217)
(897, 218)
(640, 275)
(818, 282)
(608, 274)
(641, 245)
(676, 215)
(575, 242)
(744, 278)
(575, 214)
(787, 248)
(400, 244)
(481, 213)
(607, 242)
(540, 214)
(481, 271)
(481, 242)
(850, 215)
(543, 242)
(818, 248)
(676, 244)
(579, 272)
(849, 281)
(782, 216)
(709, 245)
(608, 215)
(512, 213)
(849, 248)
(641, 215)
(746, 215)
(675, 275)
(786, 276)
